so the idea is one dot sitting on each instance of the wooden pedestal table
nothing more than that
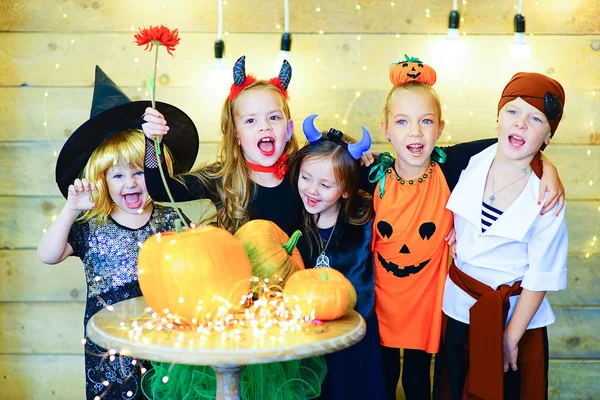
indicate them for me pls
(227, 357)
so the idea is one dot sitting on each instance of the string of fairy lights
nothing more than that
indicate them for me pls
(47, 90)
(47, 93)
(270, 319)
(320, 8)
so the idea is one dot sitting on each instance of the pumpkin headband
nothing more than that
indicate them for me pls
(356, 150)
(241, 80)
(412, 69)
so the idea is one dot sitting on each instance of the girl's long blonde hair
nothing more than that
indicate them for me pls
(126, 146)
(229, 177)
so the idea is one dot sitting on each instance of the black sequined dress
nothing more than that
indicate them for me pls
(109, 253)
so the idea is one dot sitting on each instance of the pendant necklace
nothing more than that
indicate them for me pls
(493, 197)
(323, 260)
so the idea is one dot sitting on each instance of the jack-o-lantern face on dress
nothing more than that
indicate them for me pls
(412, 69)
(426, 231)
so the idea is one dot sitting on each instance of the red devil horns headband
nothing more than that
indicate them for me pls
(241, 80)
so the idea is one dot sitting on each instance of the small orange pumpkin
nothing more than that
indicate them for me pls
(186, 272)
(325, 290)
(271, 252)
(412, 69)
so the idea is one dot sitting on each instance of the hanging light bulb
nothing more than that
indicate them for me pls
(219, 75)
(451, 49)
(453, 22)
(520, 49)
(219, 51)
(286, 40)
(219, 43)
(284, 51)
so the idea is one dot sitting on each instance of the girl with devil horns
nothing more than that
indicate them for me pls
(412, 229)
(337, 228)
(248, 181)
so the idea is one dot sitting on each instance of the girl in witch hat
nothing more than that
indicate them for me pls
(108, 214)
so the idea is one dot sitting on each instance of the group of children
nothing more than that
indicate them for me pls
(386, 226)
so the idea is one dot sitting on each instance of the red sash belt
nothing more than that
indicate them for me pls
(485, 376)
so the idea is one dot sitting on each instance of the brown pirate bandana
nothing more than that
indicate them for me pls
(542, 92)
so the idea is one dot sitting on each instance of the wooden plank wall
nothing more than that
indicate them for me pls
(50, 48)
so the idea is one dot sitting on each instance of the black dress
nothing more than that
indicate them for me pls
(280, 204)
(355, 372)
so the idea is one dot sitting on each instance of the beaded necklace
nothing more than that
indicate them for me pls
(411, 181)
(384, 166)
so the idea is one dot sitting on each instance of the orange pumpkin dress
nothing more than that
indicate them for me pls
(411, 258)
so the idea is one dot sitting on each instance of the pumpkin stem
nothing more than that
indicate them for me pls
(178, 225)
(324, 276)
(290, 245)
(411, 59)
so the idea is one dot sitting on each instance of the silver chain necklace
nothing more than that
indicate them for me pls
(323, 260)
(525, 170)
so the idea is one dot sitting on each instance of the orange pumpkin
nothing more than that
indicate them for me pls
(186, 272)
(412, 69)
(272, 253)
(325, 290)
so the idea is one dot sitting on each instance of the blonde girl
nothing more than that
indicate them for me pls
(248, 180)
(108, 214)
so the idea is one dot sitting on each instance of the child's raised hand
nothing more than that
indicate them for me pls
(80, 195)
(155, 124)
(369, 158)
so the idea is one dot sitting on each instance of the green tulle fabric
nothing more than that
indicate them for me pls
(290, 380)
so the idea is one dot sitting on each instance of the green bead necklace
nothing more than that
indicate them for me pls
(412, 181)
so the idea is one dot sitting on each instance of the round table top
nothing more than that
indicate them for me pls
(187, 347)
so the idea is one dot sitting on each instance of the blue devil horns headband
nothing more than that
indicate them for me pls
(356, 150)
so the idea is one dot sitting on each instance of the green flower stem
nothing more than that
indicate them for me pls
(153, 92)
(154, 79)
(290, 245)
(157, 145)
(178, 225)
(162, 175)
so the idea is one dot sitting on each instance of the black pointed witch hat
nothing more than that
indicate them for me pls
(113, 111)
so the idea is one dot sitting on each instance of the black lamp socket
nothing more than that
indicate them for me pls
(219, 48)
(286, 42)
(454, 19)
(519, 23)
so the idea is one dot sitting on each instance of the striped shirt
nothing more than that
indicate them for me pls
(489, 215)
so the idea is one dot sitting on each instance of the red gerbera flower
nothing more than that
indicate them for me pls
(158, 36)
